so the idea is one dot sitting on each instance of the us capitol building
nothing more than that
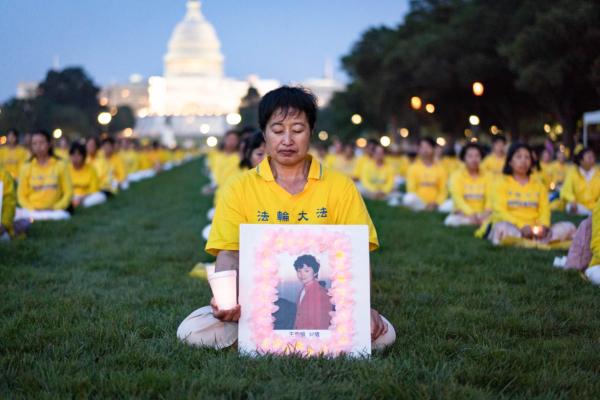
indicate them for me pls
(194, 97)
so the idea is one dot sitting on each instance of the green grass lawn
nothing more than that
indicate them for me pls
(89, 308)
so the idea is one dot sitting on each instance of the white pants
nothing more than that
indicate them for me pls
(41, 215)
(558, 232)
(210, 214)
(593, 274)
(414, 202)
(446, 207)
(141, 175)
(201, 328)
(582, 210)
(206, 232)
(457, 220)
(92, 199)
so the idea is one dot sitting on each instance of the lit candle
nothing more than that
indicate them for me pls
(536, 230)
(224, 288)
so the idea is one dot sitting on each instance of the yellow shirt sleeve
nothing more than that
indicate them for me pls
(442, 187)
(224, 233)
(94, 182)
(544, 210)
(24, 190)
(411, 178)
(457, 183)
(66, 188)
(567, 192)
(595, 242)
(9, 200)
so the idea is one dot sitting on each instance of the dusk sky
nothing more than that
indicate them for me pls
(112, 39)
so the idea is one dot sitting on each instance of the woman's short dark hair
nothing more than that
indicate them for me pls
(499, 138)
(77, 147)
(465, 149)
(427, 140)
(251, 143)
(287, 98)
(309, 261)
(579, 156)
(512, 150)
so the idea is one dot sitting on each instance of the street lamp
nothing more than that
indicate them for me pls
(474, 120)
(430, 108)
(478, 89)
(104, 118)
(356, 119)
(323, 136)
(385, 141)
(57, 133)
(233, 118)
(416, 102)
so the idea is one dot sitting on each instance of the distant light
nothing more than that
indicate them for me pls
(385, 141)
(135, 78)
(323, 135)
(440, 141)
(233, 118)
(547, 128)
(468, 133)
(478, 88)
(404, 132)
(430, 108)
(57, 133)
(128, 132)
(3, 139)
(125, 93)
(211, 141)
(494, 130)
(474, 120)
(356, 119)
(103, 101)
(204, 129)
(143, 112)
(104, 118)
(474, 140)
(361, 142)
(416, 102)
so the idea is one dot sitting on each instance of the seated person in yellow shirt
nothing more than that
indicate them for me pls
(365, 158)
(425, 180)
(254, 153)
(45, 189)
(581, 189)
(8, 204)
(12, 155)
(494, 162)
(288, 187)
(345, 161)
(377, 179)
(593, 270)
(521, 205)
(470, 189)
(117, 178)
(86, 188)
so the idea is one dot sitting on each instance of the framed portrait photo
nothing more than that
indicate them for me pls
(304, 290)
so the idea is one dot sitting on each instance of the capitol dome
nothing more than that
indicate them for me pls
(194, 48)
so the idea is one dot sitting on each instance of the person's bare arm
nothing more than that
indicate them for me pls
(227, 260)
(378, 327)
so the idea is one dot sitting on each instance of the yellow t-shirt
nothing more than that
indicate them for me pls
(450, 164)
(102, 170)
(62, 153)
(377, 178)
(427, 182)
(577, 189)
(595, 242)
(470, 195)
(359, 164)
(45, 187)
(84, 180)
(344, 165)
(226, 165)
(558, 172)
(131, 161)
(254, 198)
(400, 163)
(12, 158)
(521, 204)
(493, 164)
(9, 200)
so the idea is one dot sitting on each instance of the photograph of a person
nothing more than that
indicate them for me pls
(303, 301)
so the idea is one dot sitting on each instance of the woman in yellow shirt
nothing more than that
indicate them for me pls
(521, 203)
(8, 204)
(494, 162)
(45, 188)
(378, 177)
(12, 155)
(425, 180)
(581, 189)
(86, 189)
(288, 187)
(117, 178)
(470, 189)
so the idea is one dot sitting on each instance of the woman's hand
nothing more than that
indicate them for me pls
(378, 325)
(232, 315)
(527, 232)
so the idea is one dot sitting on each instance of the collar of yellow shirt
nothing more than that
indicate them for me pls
(315, 171)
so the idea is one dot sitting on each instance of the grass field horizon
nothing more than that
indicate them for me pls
(90, 308)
